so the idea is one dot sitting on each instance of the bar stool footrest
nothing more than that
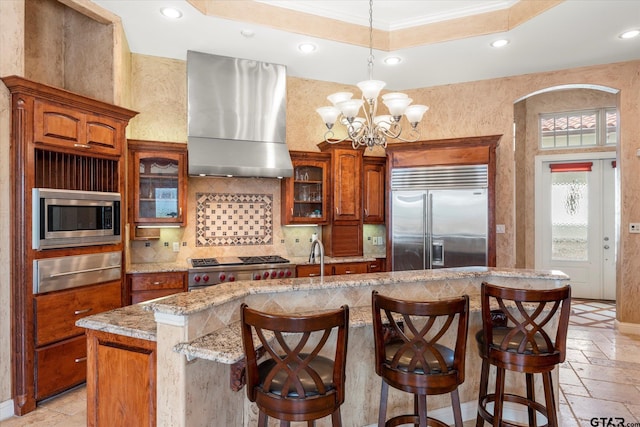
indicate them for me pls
(413, 419)
(513, 398)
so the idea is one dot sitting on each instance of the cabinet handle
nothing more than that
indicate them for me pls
(180, 213)
(347, 272)
(80, 359)
(86, 310)
(87, 146)
(312, 274)
(336, 210)
(291, 211)
(156, 283)
(373, 266)
(366, 212)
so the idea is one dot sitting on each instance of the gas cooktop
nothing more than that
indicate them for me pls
(243, 260)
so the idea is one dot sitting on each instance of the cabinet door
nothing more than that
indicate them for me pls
(304, 196)
(312, 270)
(60, 366)
(347, 176)
(65, 127)
(146, 286)
(121, 380)
(374, 191)
(350, 268)
(158, 187)
(57, 312)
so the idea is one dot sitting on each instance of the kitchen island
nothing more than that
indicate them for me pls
(197, 351)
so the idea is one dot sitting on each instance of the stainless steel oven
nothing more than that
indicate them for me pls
(66, 218)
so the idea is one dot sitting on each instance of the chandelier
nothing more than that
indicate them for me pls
(372, 129)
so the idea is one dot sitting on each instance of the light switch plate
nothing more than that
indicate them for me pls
(500, 228)
(634, 227)
(176, 247)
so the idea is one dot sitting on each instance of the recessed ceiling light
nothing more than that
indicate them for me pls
(500, 43)
(307, 47)
(170, 12)
(629, 34)
(248, 33)
(392, 60)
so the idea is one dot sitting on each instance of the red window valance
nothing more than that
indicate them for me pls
(571, 167)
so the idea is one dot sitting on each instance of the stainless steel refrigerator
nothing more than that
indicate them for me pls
(439, 217)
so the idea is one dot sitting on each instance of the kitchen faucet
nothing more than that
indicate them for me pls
(312, 255)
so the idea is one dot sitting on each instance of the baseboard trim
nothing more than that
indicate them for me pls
(627, 328)
(6, 409)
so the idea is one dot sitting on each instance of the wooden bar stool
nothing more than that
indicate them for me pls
(410, 356)
(518, 336)
(293, 382)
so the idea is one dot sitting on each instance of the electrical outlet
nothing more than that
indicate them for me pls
(500, 228)
(176, 247)
(634, 227)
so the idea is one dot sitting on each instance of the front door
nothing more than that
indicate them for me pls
(575, 222)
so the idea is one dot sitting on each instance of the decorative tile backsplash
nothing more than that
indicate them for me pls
(234, 219)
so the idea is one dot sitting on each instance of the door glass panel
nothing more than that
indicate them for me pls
(569, 216)
(158, 188)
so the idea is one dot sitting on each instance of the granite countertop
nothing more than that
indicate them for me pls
(202, 299)
(335, 260)
(160, 267)
(225, 345)
(157, 267)
(132, 321)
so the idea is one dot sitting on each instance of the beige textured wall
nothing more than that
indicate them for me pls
(11, 62)
(44, 42)
(527, 149)
(88, 60)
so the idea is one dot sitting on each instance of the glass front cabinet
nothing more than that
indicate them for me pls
(304, 195)
(158, 183)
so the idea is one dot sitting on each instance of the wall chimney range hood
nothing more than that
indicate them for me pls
(236, 117)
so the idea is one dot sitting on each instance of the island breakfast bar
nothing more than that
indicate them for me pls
(186, 351)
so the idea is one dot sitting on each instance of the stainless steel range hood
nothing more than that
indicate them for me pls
(236, 117)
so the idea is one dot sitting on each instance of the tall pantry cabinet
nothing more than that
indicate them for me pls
(60, 140)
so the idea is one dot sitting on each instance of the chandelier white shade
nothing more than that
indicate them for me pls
(372, 129)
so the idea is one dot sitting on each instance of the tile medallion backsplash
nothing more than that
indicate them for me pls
(233, 219)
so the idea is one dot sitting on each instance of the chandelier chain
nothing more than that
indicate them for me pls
(371, 57)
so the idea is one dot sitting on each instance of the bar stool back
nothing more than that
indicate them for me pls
(410, 355)
(293, 381)
(518, 336)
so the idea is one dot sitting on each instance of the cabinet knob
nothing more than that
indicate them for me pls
(86, 310)
(80, 359)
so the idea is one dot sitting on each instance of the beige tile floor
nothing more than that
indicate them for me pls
(599, 379)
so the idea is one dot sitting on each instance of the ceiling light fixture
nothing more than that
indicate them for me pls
(170, 12)
(629, 34)
(392, 60)
(500, 43)
(373, 129)
(307, 47)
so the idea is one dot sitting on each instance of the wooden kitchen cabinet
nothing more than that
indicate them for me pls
(346, 181)
(59, 140)
(305, 194)
(145, 286)
(342, 236)
(57, 312)
(157, 183)
(376, 266)
(313, 270)
(71, 129)
(373, 189)
(349, 268)
(121, 389)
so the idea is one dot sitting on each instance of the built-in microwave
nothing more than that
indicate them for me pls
(69, 218)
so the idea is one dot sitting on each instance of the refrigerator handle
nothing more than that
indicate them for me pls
(428, 250)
